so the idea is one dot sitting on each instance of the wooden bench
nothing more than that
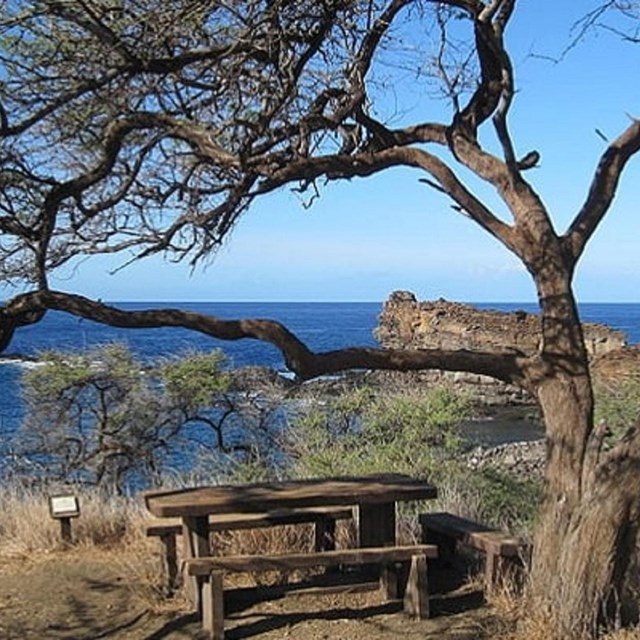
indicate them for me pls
(324, 520)
(414, 592)
(446, 530)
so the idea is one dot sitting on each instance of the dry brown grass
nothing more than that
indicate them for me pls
(113, 527)
(27, 526)
(515, 619)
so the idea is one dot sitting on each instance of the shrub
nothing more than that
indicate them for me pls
(506, 501)
(364, 433)
(617, 406)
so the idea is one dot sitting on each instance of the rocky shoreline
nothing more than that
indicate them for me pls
(522, 460)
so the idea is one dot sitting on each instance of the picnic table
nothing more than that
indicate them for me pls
(374, 499)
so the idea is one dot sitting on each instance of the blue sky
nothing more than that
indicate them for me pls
(366, 238)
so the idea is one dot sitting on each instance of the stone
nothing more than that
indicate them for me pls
(406, 323)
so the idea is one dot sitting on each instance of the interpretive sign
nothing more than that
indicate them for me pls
(66, 506)
(63, 508)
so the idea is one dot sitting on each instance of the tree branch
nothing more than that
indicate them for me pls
(366, 164)
(505, 365)
(602, 190)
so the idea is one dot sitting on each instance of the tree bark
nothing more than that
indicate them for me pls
(581, 578)
(584, 574)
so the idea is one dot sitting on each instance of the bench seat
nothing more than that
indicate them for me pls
(324, 519)
(211, 569)
(447, 529)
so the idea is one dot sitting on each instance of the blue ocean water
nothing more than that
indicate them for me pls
(323, 326)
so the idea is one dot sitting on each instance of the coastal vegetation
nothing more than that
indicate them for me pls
(142, 129)
(348, 427)
(105, 419)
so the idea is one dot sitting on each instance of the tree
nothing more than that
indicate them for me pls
(105, 419)
(169, 120)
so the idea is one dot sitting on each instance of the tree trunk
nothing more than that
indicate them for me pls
(584, 573)
(584, 546)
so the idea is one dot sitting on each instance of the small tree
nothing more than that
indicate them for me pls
(105, 419)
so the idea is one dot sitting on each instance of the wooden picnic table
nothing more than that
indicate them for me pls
(374, 498)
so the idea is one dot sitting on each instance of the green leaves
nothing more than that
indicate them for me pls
(363, 432)
(617, 405)
(195, 378)
(102, 417)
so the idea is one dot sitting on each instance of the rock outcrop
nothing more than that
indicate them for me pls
(407, 323)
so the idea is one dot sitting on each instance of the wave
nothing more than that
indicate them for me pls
(25, 362)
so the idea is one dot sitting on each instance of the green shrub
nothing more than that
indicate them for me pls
(506, 501)
(617, 406)
(363, 433)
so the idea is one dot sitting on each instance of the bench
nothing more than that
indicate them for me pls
(324, 520)
(446, 530)
(210, 570)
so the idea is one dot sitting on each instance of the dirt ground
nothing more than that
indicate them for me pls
(78, 595)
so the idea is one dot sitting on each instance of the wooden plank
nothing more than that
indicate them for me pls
(232, 521)
(359, 587)
(288, 562)
(287, 495)
(472, 534)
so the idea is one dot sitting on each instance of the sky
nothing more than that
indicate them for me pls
(365, 238)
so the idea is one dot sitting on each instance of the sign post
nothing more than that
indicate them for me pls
(63, 508)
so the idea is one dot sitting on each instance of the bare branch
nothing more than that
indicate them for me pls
(366, 164)
(506, 365)
(602, 190)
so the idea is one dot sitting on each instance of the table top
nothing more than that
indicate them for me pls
(289, 494)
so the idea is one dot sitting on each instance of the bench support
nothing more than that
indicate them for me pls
(195, 535)
(195, 538)
(170, 560)
(415, 592)
(416, 596)
(213, 605)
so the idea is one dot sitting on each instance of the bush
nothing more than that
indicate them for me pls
(363, 433)
(507, 502)
(617, 406)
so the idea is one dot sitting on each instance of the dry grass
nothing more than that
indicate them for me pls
(515, 619)
(113, 526)
(27, 526)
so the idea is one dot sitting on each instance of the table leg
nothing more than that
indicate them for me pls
(377, 525)
(195, 536)
(376, 528)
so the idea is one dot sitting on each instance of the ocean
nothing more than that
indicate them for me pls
(323, 326)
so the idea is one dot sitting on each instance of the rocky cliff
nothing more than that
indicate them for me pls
(408, 323)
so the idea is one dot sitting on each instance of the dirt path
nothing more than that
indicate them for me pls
(84, 596)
